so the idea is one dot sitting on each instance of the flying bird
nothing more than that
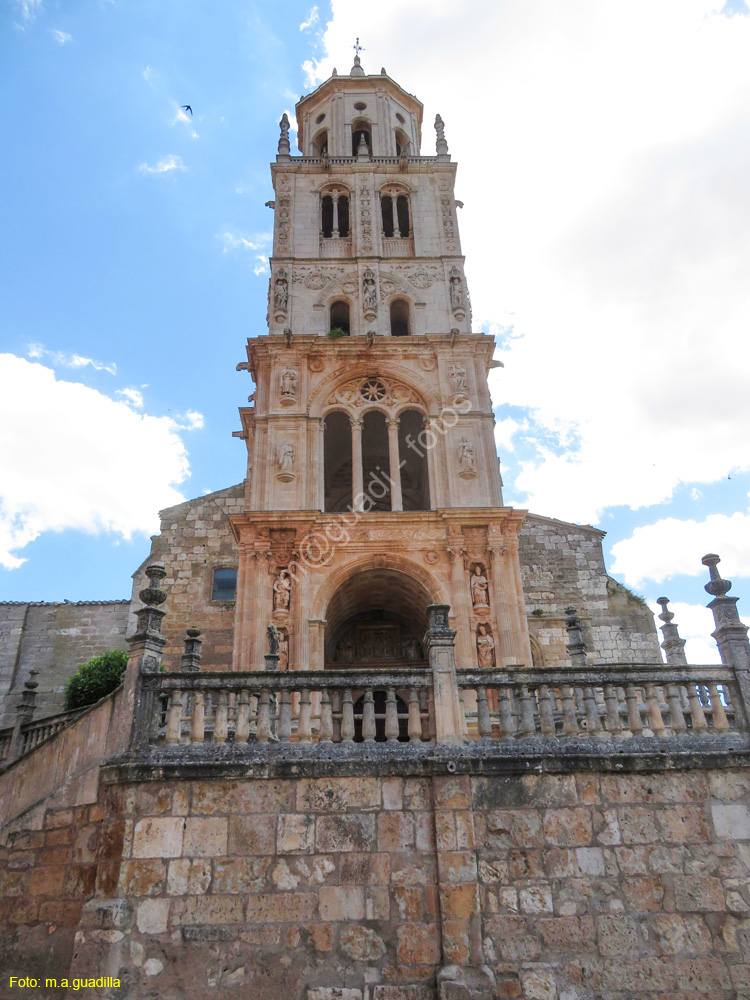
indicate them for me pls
(186, 107)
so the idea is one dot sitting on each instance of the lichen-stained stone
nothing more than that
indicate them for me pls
(643, 894)
(335, 795)
(418, 944)
(252, 834)
(567, 827)
(698, 894)
(333, 993)
(511, 939)
(362, 944)
(151, 916)
(617, 935)
(281, 907)
(239, 875)
(242, 797)
(342, 903)
(731, 822)
(539, 984)
(187, 877)
(365, 869)
(350, 832)
(205, 837)
(295, 834)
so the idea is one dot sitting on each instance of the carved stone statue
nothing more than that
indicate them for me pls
(456, 291)
(369, 293)
(273, 639)
(285, 462)
(289, 379)
(283, 650)
(284, 135)
(485, 648)
(411, 650)
(282, 589)
(458, 374)
(466, 460)
(281, 292)
(441, 144)
(479, 589)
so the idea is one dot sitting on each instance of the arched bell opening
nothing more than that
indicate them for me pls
(399, 313)
(319, 146)
(337, 462)
(402, 142)
(413, 458)
(375, 462)
(340, 316)
(377, 618)
(360, 132)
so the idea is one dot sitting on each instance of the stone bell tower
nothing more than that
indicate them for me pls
(373, 487)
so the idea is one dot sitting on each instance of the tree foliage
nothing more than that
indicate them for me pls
(95, 679)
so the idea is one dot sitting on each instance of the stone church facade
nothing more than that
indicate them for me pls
(381, 737)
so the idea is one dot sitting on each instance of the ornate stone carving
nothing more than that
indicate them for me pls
(369, 295)
(281, 295)
(485, 648)
(315, 277)
(427, 363)
(421, 279)
(473, 539)
(289, 380)
(446, 208)
(285, 462)
(373, 389)
(431, 557)
(365, 215)
(466, 459)
(457, 293)
(282, 590)
(479, 589)
(316, 364)
(460, 385)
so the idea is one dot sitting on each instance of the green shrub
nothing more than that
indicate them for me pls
(95, 679)
(337, 332)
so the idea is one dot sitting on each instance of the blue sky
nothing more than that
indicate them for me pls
(603, 158)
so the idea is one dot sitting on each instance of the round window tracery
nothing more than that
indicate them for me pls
(373, 390)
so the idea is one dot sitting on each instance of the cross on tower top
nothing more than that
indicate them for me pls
(357, 47)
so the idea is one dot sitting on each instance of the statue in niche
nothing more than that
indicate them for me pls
(466, 459)
(369, 293)
(345, 650)
(289, 379)
(285, 462)
(457, 292)
(485, 648)
(283, 650)
(273, 639)
(458, 374)
(282, 589)
(281, 292)
(411, 649)
(479, 589)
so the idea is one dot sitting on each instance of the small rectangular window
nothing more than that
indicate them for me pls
(225, 585)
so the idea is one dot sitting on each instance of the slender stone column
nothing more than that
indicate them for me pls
(730, 634)
(358, 480)
(673, 645)
(397, 502)
(439, 642)
(335, 200)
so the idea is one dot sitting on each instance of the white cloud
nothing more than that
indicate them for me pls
(28, 9)
(65, 360)
(506, 430)
(181, 117)
(61, 37)
(132, 396)
(607, 218)
(695, 624)
(164, 165)
(671, 546)
(256, 243)
(261, 267)
(62, 449)
(147, 74)
(311, 19)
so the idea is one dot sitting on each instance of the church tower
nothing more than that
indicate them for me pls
(373, 488)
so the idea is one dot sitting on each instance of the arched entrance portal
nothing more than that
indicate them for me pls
(377, 618)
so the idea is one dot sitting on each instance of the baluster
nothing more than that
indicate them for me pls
(697, 715)
(484, 722)
(303, 723)
(415, 716)
(546, 711)
(174, 717)
(391, 716)
(528, 726)
(198, 720)
(347, 717)
(635, 723)
(593, 723)
(570, 719)
(336, 709)
(614, 725)
(264, 717)
(221, 721)
(368, 717)
(655, 721)
(507, 726)
(285, 717)
(326, 718)
(721, 723)
(242, 725)
(677, 719)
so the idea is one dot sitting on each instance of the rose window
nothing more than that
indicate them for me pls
(372, 390)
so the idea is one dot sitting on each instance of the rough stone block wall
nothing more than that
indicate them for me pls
(619, 887)
(196, 538)
(562, 564)
(55, 639)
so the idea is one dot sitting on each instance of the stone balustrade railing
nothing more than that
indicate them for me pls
(339, 161)
(291, 707)
(33, 734)
(604, 701)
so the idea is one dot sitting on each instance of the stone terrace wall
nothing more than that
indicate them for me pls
(614, 887)
(621, 887)
(55, 639)
(196, 538)
(563, 564)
